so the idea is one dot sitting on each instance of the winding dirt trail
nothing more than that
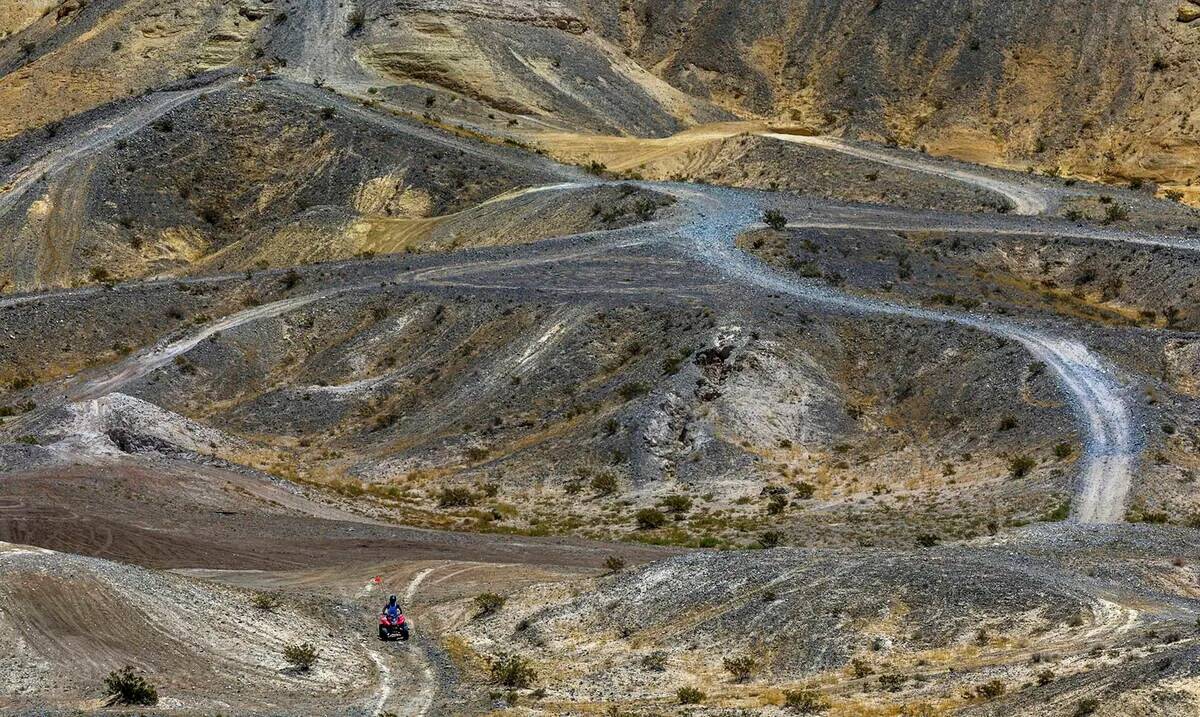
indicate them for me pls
(144, 363)
(71, 151)
(417, 697)
(1026, 199)
(712, 218)
(1106, 421)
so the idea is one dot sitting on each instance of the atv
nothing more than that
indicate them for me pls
(392, 628)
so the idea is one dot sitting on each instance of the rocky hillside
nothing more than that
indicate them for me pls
(1097, 89)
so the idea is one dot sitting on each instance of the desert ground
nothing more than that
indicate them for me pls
(660, 357)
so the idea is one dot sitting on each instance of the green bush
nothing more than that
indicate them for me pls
(301, 655)
(676, 504)
(990, 690)
(614, 563)
(928, 540)
(355, 20)
(128, 687)
(1115, 213)
(770, 539)
(775, 219)
(605, 483)
(741, 667)
(650, 518)
(655, 662)
(265, 601)
(689, 696)
(777, 504)
(456, 497)
(805, 700)
(513, 671)
(489, 603)
(1020, 466)
(632, 390)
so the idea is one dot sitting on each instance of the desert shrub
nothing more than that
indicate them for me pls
(1020, 466)
(775, 219)
(770, 539)
(891, 682)
(860, 669)
(740, 668)
(355, 20)
(1086, 707)
(129, 687)
(210, 215)
(804, 490)
(264, 601)
(1062, 451)
(1114, 213)
(632, 390)
(456, 497)
(928, 540)
(291, 279)
(777, 504)
(1060, 513)
(991, 689)
(489, 603)
(650, 518)
(689, 696)
(614, 563)
(676, 504)
(645, 208)
(513, 671)
(605, 483)
(805, 700)
(301, 655)
(655, 662)
(1008, 423)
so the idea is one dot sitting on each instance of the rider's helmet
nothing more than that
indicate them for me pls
(392, 600)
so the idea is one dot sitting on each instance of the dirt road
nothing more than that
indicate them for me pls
(1026, 199)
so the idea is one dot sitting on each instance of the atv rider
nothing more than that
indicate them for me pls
(393, 608)
(392, 620)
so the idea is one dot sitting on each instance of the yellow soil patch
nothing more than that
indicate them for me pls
(621, 154)
(384, 235)
(16, 15)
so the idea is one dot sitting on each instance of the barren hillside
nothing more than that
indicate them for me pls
(683, 357)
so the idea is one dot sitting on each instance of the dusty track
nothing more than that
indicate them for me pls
(708, 221)
(74, 149)
(1026, 199)
(1105, 421)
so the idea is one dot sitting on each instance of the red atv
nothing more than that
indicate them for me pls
(392, 628)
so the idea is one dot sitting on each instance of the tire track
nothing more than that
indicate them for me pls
(420, 702)
(98, 136)
(1105, 421)
(1026, 200)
